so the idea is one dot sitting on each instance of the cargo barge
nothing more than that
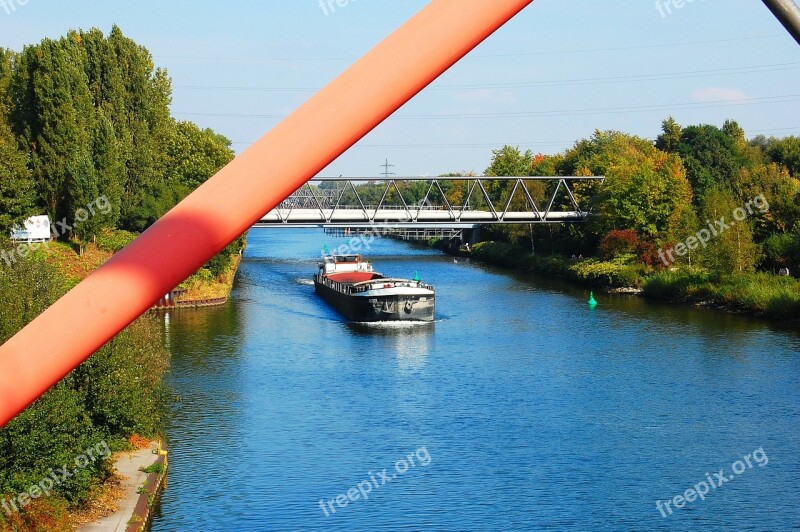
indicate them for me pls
(350, 285)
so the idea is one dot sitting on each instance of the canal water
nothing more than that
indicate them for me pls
(520, 408)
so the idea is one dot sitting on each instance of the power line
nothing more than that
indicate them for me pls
(480, 56)
(610, 110)
(496, 144)
(562, 112)
(544, 83)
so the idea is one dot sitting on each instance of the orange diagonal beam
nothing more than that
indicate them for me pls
(233, 200)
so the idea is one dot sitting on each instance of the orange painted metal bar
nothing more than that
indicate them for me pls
(229, 203)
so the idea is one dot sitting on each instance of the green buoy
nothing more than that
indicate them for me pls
(592, 300)
(416, 276)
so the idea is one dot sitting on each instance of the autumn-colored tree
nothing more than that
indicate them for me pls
(619, 242)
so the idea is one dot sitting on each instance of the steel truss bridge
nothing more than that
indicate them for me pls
(339, 202)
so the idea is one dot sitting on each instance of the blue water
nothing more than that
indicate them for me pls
(530, 410)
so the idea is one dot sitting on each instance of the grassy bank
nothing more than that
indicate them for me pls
(204, 285)
(213, 281)
(756, 293)
(116, 397)
(588, 272)
(760, 294)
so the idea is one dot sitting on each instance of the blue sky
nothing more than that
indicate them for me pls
(556, 73)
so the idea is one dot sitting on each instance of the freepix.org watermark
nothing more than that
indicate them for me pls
(9, 6)
(713, 230)
(666, 7)
(61, 227)
(703, 488)
(361, 241)
(57, 476)
(420, 457)
(329, 6)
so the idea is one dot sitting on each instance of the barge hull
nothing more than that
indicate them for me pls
(379, 308)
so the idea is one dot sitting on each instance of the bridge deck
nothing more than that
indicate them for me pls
(318, 217)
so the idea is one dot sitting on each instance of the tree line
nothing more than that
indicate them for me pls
(658, 194)
(85, 116)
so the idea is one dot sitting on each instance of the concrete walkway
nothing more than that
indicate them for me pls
(127, 465)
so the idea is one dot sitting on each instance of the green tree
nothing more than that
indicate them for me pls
(670, 138)
(732, 250)
(786, 151)
(117, 392)
(16, 186)
(645, 188)
(196, 154)
(773, 183)
(109, 168)
(53, 112)
(712, 156)
(509, 161)
(144, 127)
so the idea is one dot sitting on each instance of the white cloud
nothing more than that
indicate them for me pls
(716, 94)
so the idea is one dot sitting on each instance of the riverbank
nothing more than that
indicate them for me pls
(204, 289)
(758, 294)
(211, 285)
(140, 476)
(100, 408)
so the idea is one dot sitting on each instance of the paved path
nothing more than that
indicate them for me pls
(127, 465)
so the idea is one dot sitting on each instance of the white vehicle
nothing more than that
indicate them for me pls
(34, 229)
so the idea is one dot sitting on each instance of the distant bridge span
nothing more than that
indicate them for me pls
(336, 202)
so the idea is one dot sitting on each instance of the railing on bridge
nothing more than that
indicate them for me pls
(436, 202)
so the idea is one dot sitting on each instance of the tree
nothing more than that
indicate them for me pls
(16, 187)
(619, 243)
(786, 151)
(732, 249)
(645, 188)
(712, 156)
(196, 154)
(144, 127)
(109, 169)
(670, 138)
(93, 114)
(780, 193)
(509, 161)
(53, 112)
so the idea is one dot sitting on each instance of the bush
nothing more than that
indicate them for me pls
(762, 293)
(115, 393)
(499, 253)
(782, 250)
(612, 274)
(619, 242)
(113, 240)
(676, 285)
(41, 515)
(122, 381)
(220, 262)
